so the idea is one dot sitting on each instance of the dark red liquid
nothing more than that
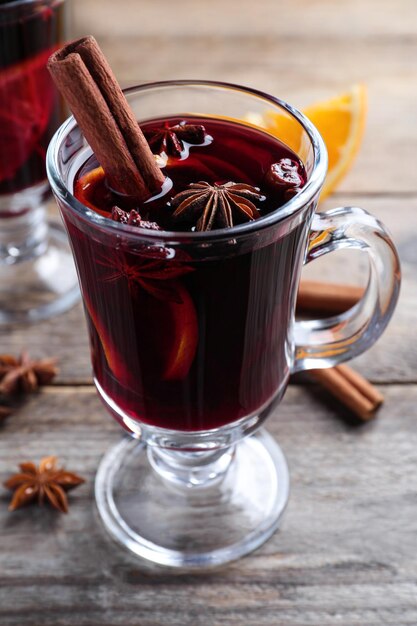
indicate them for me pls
(30, 110)
(188, 338)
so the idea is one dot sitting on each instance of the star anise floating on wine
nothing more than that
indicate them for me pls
(217, 206)
(169, 139)
(24, 375)
(46, 483)
(149, 271)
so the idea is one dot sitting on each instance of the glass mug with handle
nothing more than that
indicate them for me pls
(193, 375)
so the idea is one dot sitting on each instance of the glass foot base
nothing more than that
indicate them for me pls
(40, 286)
(194, 523)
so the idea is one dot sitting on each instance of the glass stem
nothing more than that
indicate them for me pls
(191, 470)
(23, 226)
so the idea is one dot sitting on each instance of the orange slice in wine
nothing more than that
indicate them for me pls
(180, 351)
(88, 187)
(172, 329)
(168, 316)
(114, 361)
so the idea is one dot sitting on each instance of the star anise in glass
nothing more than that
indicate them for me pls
(46, 483)
(169, 139)
(24, 375)
(217, 206)
(132, 218)
(153, 270)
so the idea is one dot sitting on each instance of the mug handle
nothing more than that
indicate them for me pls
(327, 342)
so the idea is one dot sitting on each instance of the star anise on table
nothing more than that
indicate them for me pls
(217, 205)
(24, 375)
(46, 483)
(169, 139)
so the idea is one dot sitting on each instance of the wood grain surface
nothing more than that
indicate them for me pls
(347, 550)
(345, 553)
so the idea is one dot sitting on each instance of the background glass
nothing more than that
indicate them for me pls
(37, 277)
(187, 493)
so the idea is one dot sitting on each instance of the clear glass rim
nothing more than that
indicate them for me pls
(287, 211)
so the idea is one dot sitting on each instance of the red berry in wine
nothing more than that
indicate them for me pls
(132, 218)
(285, 174)
(118, 215)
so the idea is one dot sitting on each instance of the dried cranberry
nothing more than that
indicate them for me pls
(149, 225)
(118, 215)
(132, 218)
(285, 174)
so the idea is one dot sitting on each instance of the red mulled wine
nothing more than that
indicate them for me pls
(30, 109)
(181, 338)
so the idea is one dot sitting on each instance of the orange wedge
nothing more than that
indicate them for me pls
(341, 123)
(182, 344)
(113, 358)
(85, 189)
(176, 336)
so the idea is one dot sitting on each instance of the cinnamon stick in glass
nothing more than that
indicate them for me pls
(87, 83)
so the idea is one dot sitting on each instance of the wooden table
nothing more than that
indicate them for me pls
(347, 550)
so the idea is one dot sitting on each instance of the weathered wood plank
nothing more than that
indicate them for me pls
(186, 18)
(345, 554)
(64, 336)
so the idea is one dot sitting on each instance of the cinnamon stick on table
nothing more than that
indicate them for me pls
(349, 387)
(326, 298)
(352, 389)
(86, 81)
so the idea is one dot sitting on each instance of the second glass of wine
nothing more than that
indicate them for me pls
(192, 332)
(37, 273)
